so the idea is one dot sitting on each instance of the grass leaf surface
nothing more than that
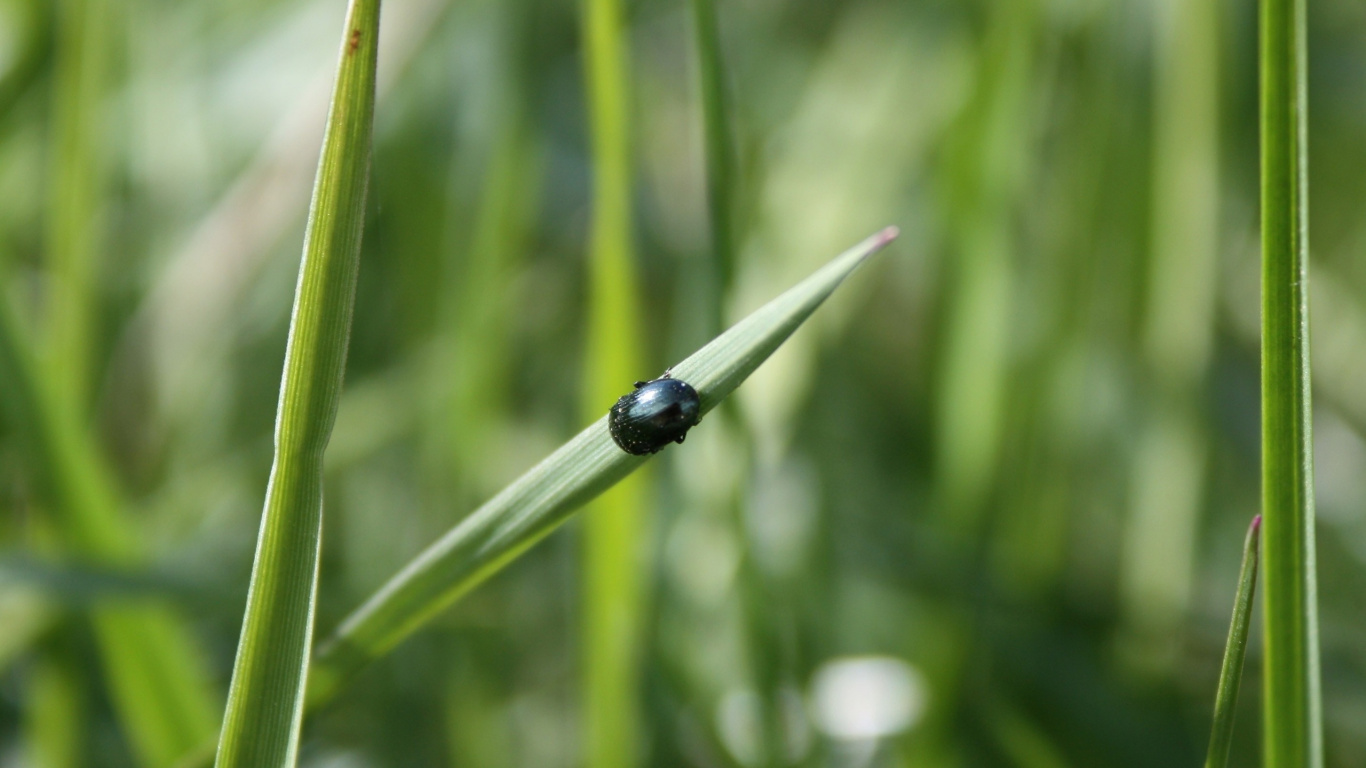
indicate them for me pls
(1291, 707)
(265, 702)
(1231, 673)
(543, 498)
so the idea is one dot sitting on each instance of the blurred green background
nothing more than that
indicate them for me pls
(986, 509)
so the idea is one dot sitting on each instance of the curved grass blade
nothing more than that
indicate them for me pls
(532, 507)
(1292, 708)
(1231, 673)
(265, 702)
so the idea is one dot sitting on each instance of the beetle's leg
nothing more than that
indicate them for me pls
(679, 439)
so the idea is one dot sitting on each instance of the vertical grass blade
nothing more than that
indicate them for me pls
(1292, 708)
(719, 146)
(1231, 673)
(987, 156)
(1178, 331)
(476, 333)
(265, 702)
(73, 231)
(612, 526)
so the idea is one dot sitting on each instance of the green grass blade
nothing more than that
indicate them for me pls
(265, 702)
(612, 525)
(987, 157)
(77, 178)
(1231, 673)
(538, 501)
(717, 135)
(1292, 707)
(1169, 475)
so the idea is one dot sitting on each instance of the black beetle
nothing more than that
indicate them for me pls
(657, 413)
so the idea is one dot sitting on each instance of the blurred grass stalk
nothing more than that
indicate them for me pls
(765, 664)
(719, 151)
(476, 332)
(1178, 329)
(265, 703)
(985, 164)
(612, 555)
(1291, 703)
(1231, 672)
(75, 216)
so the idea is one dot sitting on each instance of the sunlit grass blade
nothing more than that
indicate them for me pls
(532, 506)
(155, 678)
(265, 702)
(77, 175)
(1231, 673)
(1291, 705)
(612, 564)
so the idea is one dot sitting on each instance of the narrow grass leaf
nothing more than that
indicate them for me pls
(612, 561)
(1231, 673)
(76, 177)
(1292, 707)
(719, 146)
(532, 506)
(265, 702)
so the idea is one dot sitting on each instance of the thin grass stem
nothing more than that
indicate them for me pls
(1291, 706)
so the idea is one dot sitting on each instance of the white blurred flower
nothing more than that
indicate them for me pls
(866, 698)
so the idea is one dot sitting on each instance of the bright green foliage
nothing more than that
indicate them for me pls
(1291, 704)
(265, 703)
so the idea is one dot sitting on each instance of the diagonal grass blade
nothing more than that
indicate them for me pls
(1231, 673)
(540, 500)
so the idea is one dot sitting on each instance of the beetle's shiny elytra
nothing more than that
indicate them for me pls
(657, 413)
